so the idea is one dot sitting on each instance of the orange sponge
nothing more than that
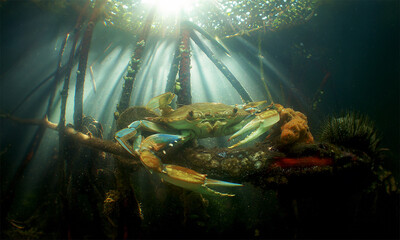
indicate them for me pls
(293, 127)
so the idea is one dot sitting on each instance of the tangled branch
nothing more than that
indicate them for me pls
(87, 140)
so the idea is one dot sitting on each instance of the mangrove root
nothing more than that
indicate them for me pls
(87, 140)
(262, 165)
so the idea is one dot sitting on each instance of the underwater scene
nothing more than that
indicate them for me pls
(207, 119)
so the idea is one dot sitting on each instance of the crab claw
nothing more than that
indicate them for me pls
(177, 175)
(254, 106)
(192, 180)
(260, 124)
(184, 177)
(161, 102)
(155, 143)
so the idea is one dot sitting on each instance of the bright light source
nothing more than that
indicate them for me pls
(172, 7)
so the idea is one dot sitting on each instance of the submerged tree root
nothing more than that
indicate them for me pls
(87, 140)
(262, 165)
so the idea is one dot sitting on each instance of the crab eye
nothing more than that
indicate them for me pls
(190, 114)
(235, 109)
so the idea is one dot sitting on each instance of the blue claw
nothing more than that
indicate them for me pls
(126, 132)
(214, 182)
(159, 141)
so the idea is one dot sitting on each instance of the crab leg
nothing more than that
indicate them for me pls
(177, 175)
(261, 123)
(192, 180)
(134, 130)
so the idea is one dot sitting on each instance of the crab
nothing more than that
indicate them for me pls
(194, 121)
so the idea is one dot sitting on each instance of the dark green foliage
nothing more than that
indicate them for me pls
(225, 18)
(352, 130)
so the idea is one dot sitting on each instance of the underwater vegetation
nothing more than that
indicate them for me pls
(116, 154)
(224, 18)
